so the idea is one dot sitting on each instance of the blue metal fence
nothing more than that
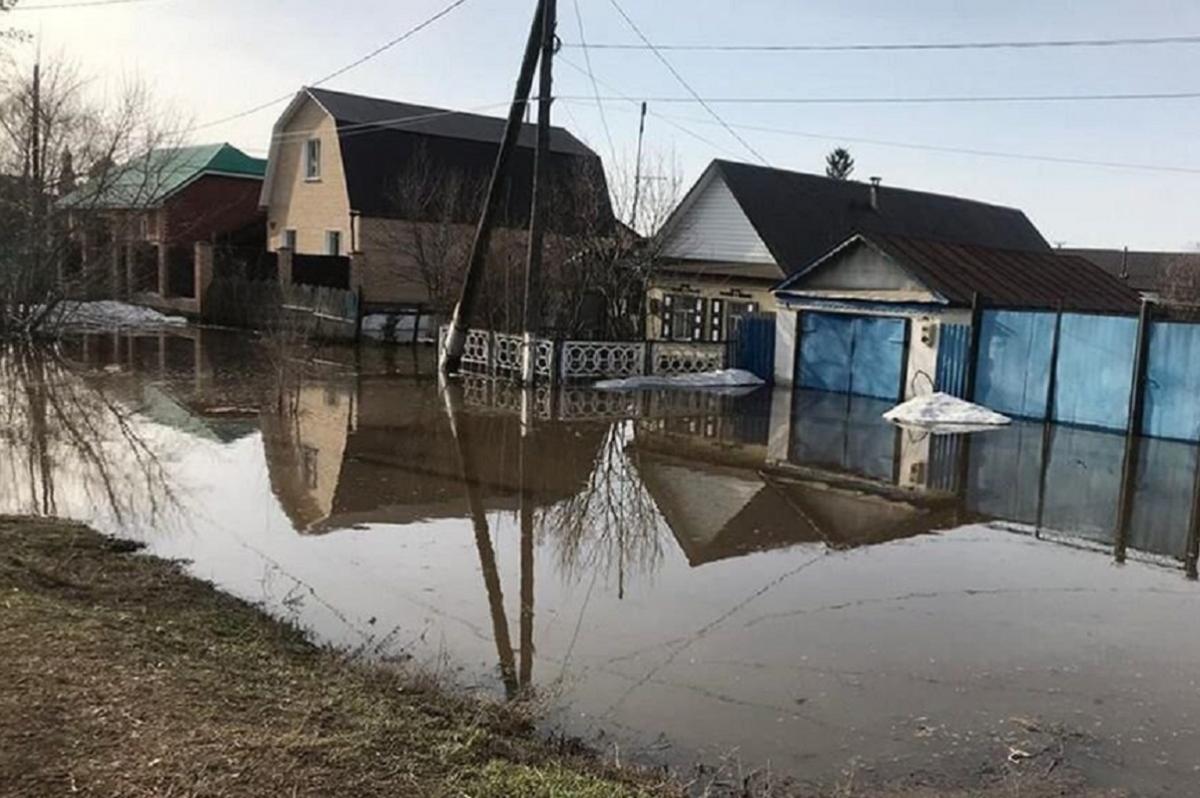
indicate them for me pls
(954, 350)
(1013, 374)
(754, 346)
(1094, 370)
(1173, 382)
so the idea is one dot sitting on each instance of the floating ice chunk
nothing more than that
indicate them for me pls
(725, 378)
(943, 410)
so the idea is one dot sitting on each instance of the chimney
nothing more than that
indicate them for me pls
(875, 181)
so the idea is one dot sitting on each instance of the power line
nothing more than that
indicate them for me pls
(394, 123)
(1128, 41)
(337, 72)
(908, 145)
(918, 100)
(685, 84)
(83, 4)
(587, 59)
(637, 103)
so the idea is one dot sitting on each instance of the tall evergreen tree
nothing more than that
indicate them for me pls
(839, 164)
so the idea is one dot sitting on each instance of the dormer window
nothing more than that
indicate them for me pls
(312, 159)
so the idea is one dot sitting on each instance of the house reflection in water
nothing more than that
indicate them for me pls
(718, 489)
(380, 450)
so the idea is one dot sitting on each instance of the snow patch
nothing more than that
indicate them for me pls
(110, 314)
(941, 410)
(725, 378)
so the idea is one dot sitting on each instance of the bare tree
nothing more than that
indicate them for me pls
(56, 139)
(1180, 283)
(595, 269)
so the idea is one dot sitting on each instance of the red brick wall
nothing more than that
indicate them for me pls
(211, 205)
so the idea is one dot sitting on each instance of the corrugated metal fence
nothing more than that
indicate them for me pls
(1079, 369)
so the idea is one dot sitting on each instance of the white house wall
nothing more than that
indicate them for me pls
(714, 228)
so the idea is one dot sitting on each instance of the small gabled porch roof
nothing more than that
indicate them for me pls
(954, 273)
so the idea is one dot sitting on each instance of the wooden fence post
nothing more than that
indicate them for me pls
(973, 350)
(1052, 377)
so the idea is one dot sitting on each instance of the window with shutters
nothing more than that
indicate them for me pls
(683, 318)
(734, 312)
(716, 319)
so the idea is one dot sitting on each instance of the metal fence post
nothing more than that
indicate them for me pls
(1137, 390)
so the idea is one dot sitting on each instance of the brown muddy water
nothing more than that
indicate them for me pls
(767, 580)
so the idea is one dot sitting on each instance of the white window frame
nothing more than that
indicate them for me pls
(312, 160)
(333, 242)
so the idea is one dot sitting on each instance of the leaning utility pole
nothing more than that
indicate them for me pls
(472, 280)
(541, 190)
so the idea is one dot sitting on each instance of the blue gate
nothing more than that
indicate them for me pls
(844, 353)
(754, 346)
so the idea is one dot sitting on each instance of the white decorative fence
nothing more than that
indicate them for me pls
(599, 360)
(500, 354)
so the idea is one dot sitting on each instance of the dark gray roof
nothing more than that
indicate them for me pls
(800, 217)
(1002, 277)
(355, 109)
(386, 145)
(1140, 270)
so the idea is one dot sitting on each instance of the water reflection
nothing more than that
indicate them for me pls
(781, 571)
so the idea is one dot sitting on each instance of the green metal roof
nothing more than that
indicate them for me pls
(147, 181)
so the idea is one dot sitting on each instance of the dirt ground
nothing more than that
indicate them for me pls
(120, 675)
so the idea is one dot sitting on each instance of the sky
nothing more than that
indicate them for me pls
(209, 59)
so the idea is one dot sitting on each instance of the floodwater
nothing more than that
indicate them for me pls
(770, 580)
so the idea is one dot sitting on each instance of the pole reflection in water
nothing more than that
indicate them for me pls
(452, 394)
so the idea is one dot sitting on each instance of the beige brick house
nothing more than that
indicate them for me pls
(383, 196)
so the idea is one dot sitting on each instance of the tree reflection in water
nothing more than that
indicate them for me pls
(70, 440)
(612, 524)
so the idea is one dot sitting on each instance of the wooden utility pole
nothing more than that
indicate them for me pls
(472, 280)
(637, 169)
(541, 190)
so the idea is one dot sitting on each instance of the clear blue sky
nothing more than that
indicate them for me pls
(211, 58)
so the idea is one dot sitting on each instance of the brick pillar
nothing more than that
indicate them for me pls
(202, 273)
(115, 270)
(163, 278)
(131, 284)
(358, 266)
(283, 262)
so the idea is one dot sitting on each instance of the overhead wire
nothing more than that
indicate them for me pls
(1123, 41)
(341, 70)
(82, 4)
(637, 103)
(972, 151)
(705, 102)
(587, 60)
(678, 77)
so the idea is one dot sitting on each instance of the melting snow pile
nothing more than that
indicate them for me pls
(108, 314)
(725, 378)
(944, 410)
